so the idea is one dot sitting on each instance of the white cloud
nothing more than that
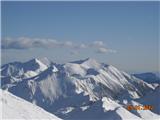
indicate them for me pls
(83, 46)
(80, 46)
(98, 44)
(27, 43)
(105, 50)
(20, 43)
(68, 44)
(112, 51)
(102, 50)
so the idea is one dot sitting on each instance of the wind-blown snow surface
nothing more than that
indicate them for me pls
(17, 108)
(78, 90)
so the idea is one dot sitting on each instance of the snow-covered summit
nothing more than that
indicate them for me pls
(88, 63)
(35, 65)
(16, 71)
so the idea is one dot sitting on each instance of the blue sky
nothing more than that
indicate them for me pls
(124, 34)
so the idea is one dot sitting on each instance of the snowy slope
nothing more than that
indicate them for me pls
(17, 108)
(77, 88)
(111, 105)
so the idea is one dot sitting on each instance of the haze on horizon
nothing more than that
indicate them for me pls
(124, 34)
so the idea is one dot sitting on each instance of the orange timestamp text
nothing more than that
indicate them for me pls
(139, 107)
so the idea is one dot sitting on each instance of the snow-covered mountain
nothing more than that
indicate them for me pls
(14, 107)
(76, 90)
(17, 71)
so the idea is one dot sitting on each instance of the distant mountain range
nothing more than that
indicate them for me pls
(148, 77)
(84, 89)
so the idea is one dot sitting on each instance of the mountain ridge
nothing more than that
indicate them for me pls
(63, 89)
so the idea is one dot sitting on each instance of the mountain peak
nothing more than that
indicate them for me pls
(43, 60)
(34, 60)
(35, 64)
(89, 59)
(90, 63)
(84, 60)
